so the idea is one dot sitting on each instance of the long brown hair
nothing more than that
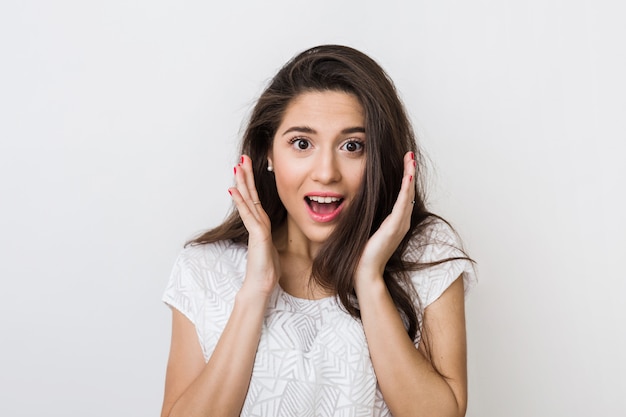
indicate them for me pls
(389, 136)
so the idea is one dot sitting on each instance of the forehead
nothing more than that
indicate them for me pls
(324, 108)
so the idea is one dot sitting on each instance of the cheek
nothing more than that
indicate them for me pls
(358, 174)
(287, 182)
(290, 171)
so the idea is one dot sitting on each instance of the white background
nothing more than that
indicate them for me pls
(119, 122)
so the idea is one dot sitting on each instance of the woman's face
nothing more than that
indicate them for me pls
(318, 155)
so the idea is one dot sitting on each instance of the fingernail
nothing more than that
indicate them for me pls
(235, 169)
(414, 163)
(411, 178)
(412, 156)
(230, 192)
(242, 159)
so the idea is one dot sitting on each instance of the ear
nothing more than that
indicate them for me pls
(270, 163)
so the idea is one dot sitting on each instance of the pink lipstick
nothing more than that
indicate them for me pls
(324, 207)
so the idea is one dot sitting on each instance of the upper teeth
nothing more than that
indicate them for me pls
(324, 199)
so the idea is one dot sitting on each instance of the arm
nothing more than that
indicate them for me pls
(412, 383)
(219, 387)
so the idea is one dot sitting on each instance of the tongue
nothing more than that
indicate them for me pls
(323, 208)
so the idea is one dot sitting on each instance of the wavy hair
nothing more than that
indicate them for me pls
(389, 136)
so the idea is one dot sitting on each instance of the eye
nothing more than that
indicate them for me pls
(300, 144)
(353, 146)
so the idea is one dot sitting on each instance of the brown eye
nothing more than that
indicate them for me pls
(301, 144)
(353, 146)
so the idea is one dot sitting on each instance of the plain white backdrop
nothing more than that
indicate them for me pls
(118, 129)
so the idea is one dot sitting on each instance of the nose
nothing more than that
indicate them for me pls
(325, 168)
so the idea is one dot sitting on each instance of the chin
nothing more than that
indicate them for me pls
(320, 236)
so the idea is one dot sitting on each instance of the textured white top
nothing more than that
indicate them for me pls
(312, 358)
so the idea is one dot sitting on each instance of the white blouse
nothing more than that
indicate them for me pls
(312, 359)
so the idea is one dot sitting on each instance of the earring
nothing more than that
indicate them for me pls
(270, 168)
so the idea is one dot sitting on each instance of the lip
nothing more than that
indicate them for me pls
(323, 194)
(328, 217)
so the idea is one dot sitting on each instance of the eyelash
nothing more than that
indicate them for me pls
(297, 139)
(358, 142)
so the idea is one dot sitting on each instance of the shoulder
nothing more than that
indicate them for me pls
(214, 268)
(438, 259)
(433, 241)
(220, 255)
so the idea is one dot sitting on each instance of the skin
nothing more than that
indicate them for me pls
(330, 128)
(411, 383)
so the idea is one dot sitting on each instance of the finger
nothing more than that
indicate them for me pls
(244, 177)
(242, 183)
(246, 164)
(407, 189)
(246, 210)
(400, 216)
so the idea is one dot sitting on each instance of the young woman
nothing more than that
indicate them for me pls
(330, 290)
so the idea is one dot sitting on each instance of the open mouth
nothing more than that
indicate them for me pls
(323, 205)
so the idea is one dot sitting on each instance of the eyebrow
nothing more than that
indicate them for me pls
(307, 129)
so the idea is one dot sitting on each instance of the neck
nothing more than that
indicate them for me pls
(289, 240)
(296, 258)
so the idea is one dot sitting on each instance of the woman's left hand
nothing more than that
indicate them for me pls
(410, 380)
(384, 242)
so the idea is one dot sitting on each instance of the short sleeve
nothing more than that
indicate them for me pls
(438, 242)
(184, 289)
(202, 286)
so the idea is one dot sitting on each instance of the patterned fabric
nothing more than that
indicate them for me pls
(312, 358)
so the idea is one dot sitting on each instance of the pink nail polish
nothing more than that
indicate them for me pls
(235, 169)
(411, 178)
(242, 159)
(230, 192)
(412, 156)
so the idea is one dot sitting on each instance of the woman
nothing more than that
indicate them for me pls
(330, 290)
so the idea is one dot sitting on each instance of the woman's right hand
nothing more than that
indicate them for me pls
(219, 386)
(263, 265)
